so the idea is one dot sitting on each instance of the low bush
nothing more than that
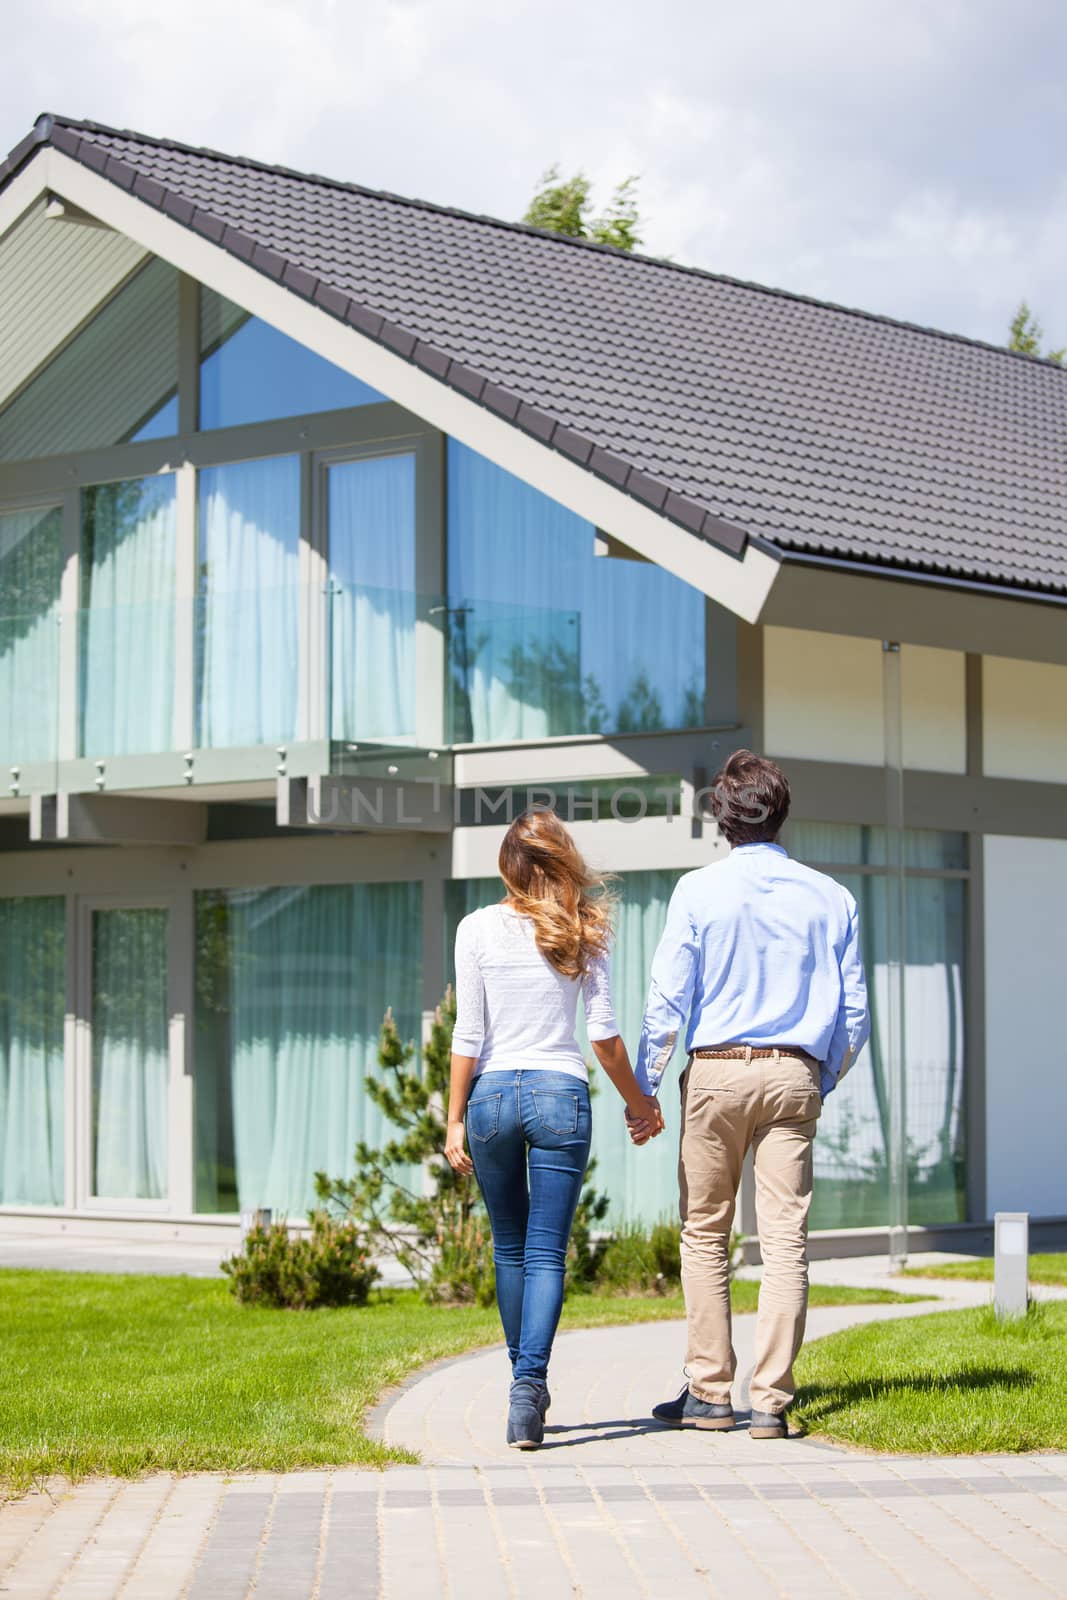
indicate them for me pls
(462, 1271)
(331, 1266)
(635, 1260)
(639, 1260)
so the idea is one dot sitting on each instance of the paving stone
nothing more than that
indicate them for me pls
(350, 1557)
(228, 1563)
(163, 1566)
(51, 1553)
(109, 1553)
(19, 1523)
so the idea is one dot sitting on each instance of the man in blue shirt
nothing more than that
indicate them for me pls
(760, 965)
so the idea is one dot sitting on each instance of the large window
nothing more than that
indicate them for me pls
(126, 625)
(545, 636)
(851, 1177)
(252, 373)
(291, 987)
(32, 1004)
(247, 602)
(31, 562)
(371, 510)
(116, 379)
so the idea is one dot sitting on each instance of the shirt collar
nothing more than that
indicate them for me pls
(760, 844)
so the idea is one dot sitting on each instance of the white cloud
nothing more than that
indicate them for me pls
(892, 154)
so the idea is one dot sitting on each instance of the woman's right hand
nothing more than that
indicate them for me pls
(456, 1149)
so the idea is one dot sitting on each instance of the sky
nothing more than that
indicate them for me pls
(904, 156)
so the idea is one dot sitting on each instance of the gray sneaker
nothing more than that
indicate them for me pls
(544, 1402)
(689, 1412)
(768, 1425)
(526, 1419)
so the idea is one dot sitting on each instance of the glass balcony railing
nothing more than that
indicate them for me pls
(370, 670)
(521, 672)
(246, 664)
(30, 643)
(371, 664)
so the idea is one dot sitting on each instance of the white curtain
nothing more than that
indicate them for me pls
(248, 602)
(643, 1184)
(130, 1065)
(31, 561)
(310, 973)
(32, 1003)
(546, 637)
(850, 1150)
(126, 681)
(372, 598)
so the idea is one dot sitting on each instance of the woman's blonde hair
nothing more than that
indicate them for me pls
(570, 905)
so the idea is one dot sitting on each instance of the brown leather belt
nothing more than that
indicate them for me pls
(744, 1052)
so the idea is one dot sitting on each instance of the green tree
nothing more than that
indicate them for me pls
(562, 205)
(1026, 335)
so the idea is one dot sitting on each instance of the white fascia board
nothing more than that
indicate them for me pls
(26, 187)
(741, 585)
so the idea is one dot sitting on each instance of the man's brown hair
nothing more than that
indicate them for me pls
(750, 799)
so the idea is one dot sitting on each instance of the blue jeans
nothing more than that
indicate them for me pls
(529, 1132)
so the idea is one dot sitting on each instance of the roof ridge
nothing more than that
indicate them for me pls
(883, 318)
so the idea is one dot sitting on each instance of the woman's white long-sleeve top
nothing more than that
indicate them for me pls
(513, 1009)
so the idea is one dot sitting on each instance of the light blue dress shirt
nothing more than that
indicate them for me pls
(760, 950)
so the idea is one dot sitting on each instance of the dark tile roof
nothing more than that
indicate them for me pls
(738, 411)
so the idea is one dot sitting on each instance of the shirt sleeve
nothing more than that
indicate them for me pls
(596, 997)
(469, 1031)
(853, 1026)
(670, 993)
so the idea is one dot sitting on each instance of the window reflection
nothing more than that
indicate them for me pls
(249, 372)
(545, 636)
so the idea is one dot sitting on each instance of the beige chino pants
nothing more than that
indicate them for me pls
(728, 1104)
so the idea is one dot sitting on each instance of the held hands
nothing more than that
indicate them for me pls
(645, 1123)
(456, 1151)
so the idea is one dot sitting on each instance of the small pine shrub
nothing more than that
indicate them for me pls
(642, 1261)
(329, 1267)
(585, 1248)
(463, 1272)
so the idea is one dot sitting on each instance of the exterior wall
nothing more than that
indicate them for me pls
(823, 700)
(1024, 720)
(1026, 1087)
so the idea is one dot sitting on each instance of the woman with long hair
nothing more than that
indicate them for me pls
(521, 1084)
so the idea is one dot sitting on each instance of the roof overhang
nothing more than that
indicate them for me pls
(917, 608)
(739, 582)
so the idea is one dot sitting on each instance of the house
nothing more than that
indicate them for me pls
(332, 522)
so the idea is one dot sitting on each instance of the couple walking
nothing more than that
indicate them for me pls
(759, 965)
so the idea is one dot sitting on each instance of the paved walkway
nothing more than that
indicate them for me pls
(611, 1506)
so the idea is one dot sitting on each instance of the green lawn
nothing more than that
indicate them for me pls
(1048, 1268)
(131, 1374)
(956, 1381)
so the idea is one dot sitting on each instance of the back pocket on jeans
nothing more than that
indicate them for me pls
(557, 1110)
(483, 1117)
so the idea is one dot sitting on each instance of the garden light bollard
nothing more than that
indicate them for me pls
(254, 1219)
(1011, 1263)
